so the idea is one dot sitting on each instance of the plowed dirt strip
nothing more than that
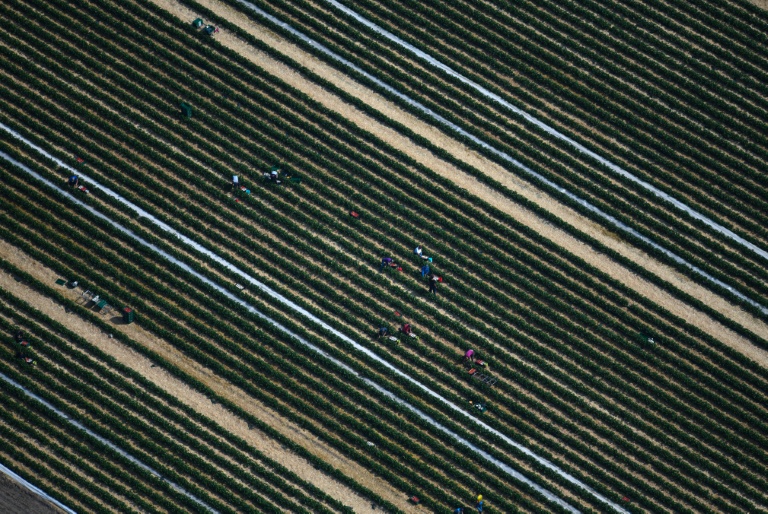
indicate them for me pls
(495, 171)
(14, 497)
(199, 402)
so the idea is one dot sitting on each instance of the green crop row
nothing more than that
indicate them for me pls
(253, 422)
(115, 388)
(535, 32)
(263, 385)
(656, 227)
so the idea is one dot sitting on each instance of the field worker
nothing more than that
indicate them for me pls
(73, 181)
(433, 283)
(417, 251)
(273, 175)
(383, 331)
(386, 261)
(425, 270)
(460, 510)
(479, 505)
(469, 356)
(235, 181)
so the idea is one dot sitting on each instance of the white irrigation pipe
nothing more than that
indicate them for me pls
(88, 431)
(613, 221)
(559, 135)
(34, 489)
(226, 264)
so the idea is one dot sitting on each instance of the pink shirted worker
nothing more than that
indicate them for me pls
(469, 355)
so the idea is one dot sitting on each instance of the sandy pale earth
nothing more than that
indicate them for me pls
(460, 151)
(197, 401)
(17, 499)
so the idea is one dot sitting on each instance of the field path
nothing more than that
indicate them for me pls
(14, 497)
(495, 171)
(196, 400)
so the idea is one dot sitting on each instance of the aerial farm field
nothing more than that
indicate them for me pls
(587, 180)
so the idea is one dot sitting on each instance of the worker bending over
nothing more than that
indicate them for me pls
(433, 280)
(420, 254)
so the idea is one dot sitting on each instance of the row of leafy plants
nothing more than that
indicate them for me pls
(441, 22)
(598, 246)
(585, 38)
(151, 436)
(102, 380)
(657, 227)
(231, 444)
(210, 349)
(252, 421)
(31, 437)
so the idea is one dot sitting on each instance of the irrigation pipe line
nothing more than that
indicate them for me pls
(607, 217)
(559, 135)
(90, 432)
(33, 487)
(304, 313)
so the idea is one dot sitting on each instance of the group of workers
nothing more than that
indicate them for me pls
(405, 328)
(469, 356)
(272, 176)
(432, 279)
